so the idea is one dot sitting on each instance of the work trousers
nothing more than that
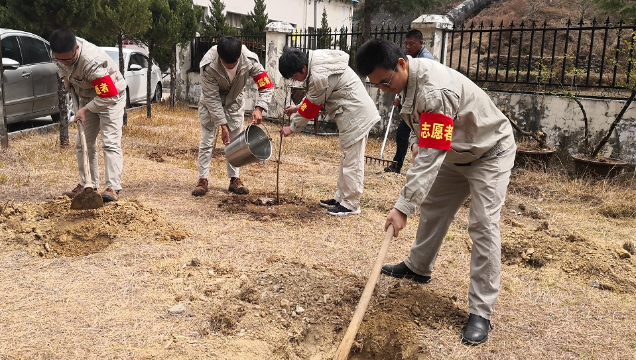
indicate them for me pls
(109, 122)
(402, 135)
(486, 181)
(351, 175)
(208, 132)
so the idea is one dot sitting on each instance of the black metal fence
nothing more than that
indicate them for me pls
(345, 39)
(576, 56)
(585, 56)
(201, 45)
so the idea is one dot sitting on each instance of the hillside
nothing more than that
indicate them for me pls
(553, 11)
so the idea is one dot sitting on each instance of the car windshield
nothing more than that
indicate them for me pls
(114, 55)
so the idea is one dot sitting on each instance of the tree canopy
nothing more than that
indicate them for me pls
(216, 24)
(255, 21)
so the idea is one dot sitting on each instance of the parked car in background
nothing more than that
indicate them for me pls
(135, 70)
(29, 77)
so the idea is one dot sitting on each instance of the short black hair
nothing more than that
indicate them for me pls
(378, 53)
(62, 40)
(229, 49)
(415, 34)
(292, 62)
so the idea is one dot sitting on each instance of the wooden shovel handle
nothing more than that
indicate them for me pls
(87, 167)
(345, 346)
(88, 182)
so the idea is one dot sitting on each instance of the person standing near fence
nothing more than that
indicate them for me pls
(414, 45)
(225, 70)
(462, 146)
(331, 83)
(100, 90)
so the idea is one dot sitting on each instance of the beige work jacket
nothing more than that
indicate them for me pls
(93, 64)
(332, 83)
(219, 94)
(479, 127)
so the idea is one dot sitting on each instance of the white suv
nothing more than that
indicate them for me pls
(135, 70)
(30, 80)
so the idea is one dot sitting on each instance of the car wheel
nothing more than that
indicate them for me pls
(158, 93)
(127, 97)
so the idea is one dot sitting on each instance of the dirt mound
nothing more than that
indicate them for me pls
(311, 306)
(52, 229)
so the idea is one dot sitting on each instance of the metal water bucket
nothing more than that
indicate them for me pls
(251, 146)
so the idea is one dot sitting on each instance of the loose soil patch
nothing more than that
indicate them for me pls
(162, 274)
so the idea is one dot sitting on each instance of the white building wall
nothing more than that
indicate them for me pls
(299, 13)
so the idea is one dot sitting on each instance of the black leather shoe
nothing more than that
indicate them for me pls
(402, 271)
(476, 330)
(392, 169)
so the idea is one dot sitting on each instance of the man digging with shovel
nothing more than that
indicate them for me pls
(462, 146)
(99, 92)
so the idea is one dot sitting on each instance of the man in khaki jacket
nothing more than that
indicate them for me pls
(462, 145)
(225, 70)
(94, 77)
(331, 83)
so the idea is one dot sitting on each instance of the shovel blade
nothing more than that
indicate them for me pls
(87, 199)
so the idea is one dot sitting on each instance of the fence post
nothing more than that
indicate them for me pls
(433, 29)
(275, 40)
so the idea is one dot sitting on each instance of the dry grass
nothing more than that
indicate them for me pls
(243, 271)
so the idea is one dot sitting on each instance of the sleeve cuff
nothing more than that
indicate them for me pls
(295, 128)
(405, 206)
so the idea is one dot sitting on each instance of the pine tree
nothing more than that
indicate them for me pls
(324, 39)
(255, 21)
(342, 41)
(216, 24)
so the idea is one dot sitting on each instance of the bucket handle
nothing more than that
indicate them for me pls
(264, 127)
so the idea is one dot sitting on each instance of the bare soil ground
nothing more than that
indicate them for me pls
(165, 275)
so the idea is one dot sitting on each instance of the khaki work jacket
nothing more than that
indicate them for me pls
(220, 95)
(92, 65)
(479, 127)
(332, 83)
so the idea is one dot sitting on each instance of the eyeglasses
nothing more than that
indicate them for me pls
(385, 83)
(72, 58)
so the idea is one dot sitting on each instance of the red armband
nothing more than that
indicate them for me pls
(263, 81)
(104, 87)
(436, 131)
(309, 110)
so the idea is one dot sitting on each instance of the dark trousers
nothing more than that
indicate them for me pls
(402, 141)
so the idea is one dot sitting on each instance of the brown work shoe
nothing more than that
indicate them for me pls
(78, 189)
(201, 188)
(237, 187)
(110, 195)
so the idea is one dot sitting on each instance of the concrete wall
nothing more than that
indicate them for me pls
(562, 121)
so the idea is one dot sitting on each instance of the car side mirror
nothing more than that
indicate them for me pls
(10, 63)
(135, 67)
